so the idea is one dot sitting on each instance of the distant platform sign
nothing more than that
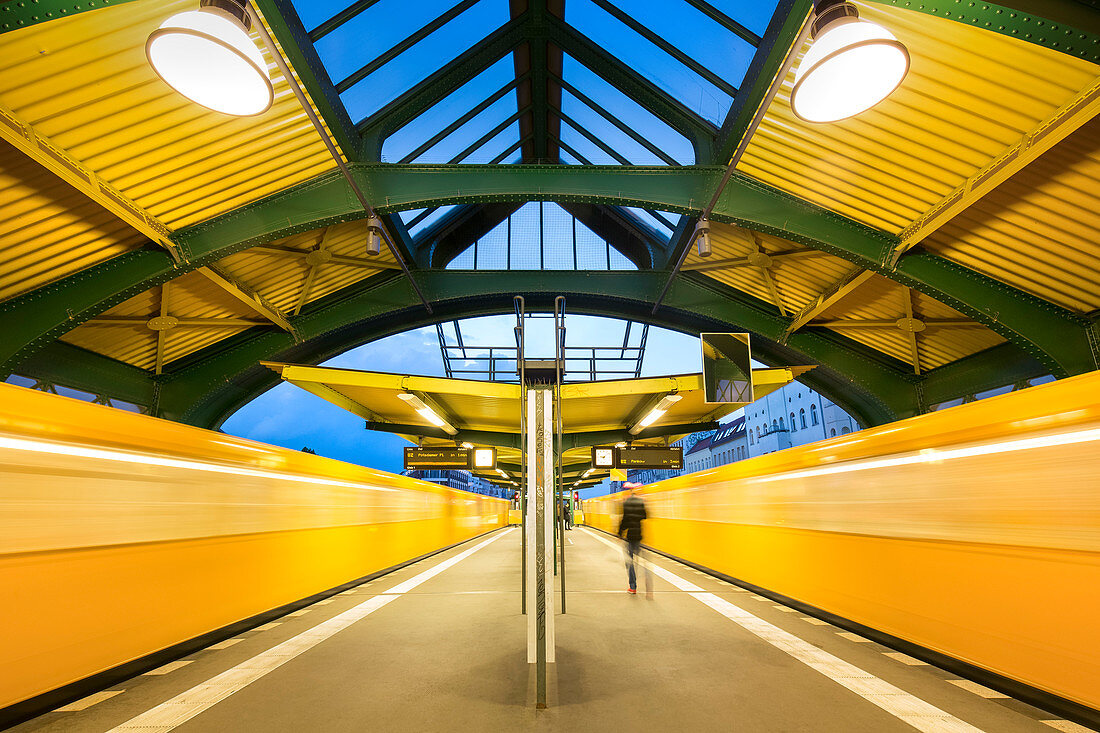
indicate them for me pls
(727, 367)
(649, 457)
(425, 458)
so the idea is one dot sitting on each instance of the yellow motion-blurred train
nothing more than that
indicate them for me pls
(973, 532)
(122, 535)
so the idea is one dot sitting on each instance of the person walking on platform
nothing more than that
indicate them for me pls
(630, 530)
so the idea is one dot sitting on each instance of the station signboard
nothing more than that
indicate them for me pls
(642, 456)
(420, 459)
(650, 457)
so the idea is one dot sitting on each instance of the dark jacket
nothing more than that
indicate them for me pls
(630, 526)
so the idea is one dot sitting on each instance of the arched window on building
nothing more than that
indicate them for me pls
(758, 432)
(793, 428)
(844, 430)
(802, 417)
(775, 426)
(813, 414)
(781, 425)
(750, 437)
(832, 433)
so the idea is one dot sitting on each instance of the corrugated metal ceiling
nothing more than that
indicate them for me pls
(1039, 230)
(969, 95)
(84, 82)
(800, 275)
(48, 229)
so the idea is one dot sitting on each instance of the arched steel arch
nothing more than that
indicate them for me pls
(1056, 337)
(212, 384)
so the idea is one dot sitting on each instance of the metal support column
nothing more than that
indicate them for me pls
(519, 306)
(540, 531)
(559, 368)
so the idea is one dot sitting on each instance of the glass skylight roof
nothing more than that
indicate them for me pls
(454, 129)
(541, 236)
(697, 60)
(392, 45)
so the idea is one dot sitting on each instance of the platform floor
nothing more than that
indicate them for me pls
(447, 653)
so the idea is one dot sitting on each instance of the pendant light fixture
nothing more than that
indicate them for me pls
(851, 66)
(207, 56)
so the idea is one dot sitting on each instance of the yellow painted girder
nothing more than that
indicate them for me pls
(58, 161)
(1048, 133)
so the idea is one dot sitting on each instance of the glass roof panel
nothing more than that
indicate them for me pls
(494, 147)
(373, 32)
(608, 133)
(755, 15)
(624, 109)
(541, 236)
(427, 221)
(592, 153)
(682, 27)
(448, 110)
(315, 12)
(423, 59)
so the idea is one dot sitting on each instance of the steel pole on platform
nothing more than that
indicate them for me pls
(540, 525)
(519, 306)
(559, 369)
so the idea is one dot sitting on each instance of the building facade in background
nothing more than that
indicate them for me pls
(791, 416)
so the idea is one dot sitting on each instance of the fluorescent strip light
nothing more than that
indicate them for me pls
(426, 412)
(65, 449)
(656, 413)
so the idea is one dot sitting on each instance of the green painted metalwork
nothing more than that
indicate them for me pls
(979, 372)
(1051, 334)
(1063, 25)
(24, 13)
(209, 385)
(72, 366)
(299, 51)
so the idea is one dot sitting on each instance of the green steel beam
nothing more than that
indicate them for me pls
(72, 366)
(1068, 26)
(989, 369)
(1047, 332)
(204, 388)
(781, 33)
(24, 13)
(298, 49)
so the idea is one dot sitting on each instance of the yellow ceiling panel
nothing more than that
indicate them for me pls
(48, 229)
(281, 271)
(84, 82)
(870, 315)
(969, 95)
(1038, 231)
(191, 296)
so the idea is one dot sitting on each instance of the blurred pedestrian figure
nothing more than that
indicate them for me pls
(630, 530)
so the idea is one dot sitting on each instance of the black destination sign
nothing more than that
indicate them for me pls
(650, 457)
(425, 458)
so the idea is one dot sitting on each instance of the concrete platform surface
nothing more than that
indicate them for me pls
(440, 646)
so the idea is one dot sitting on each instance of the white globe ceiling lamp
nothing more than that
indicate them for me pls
(207, 56)
(852, 65)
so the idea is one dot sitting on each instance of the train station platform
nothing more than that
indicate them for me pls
(439, 645)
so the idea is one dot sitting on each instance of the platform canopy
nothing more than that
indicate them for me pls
(484, 413)
(939, 245)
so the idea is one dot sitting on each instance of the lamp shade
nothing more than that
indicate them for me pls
(207, 56)
(852, 65)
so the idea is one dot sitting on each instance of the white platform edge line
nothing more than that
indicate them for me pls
(188, 704)
(906, 707)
